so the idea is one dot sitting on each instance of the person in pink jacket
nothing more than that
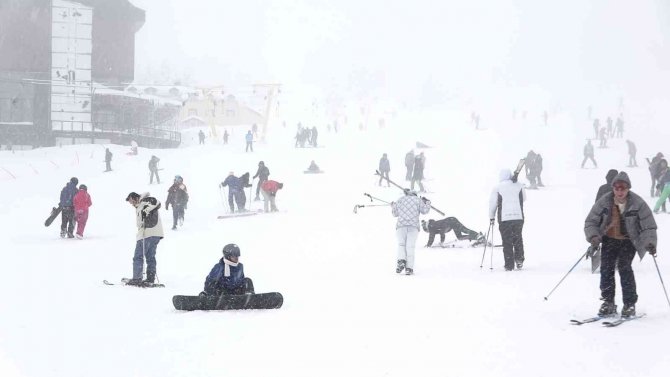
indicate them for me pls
(81, 201)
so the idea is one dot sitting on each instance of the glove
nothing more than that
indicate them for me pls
(492, 221)
(651, 248)
(595, 241)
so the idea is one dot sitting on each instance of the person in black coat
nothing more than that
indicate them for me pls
(417, 174)
(441, 227)
(262, 174)
(409, 164)
(384, 169)
(607, 187)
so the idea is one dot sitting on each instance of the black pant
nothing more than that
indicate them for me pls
(449, 224)
(617, 254)
(382, 175)
(67, 221)
(512, 240)
(258, 187)
(410, 170)
(177, 213)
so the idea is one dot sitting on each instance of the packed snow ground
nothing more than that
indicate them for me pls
(345, 310)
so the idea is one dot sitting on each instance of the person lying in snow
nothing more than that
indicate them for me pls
(444, 226)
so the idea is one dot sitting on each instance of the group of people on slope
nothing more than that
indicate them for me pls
(74, 204)
(266, 187)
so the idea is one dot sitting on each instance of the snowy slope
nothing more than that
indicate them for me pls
(345, 311)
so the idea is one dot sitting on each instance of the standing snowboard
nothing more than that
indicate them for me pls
(272, 300)
(55, 211)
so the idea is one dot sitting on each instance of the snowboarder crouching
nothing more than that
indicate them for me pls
(227, 276)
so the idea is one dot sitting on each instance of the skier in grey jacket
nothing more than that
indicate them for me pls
(623, 222)
(407, 209)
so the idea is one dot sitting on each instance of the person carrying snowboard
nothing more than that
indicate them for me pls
(623, 223)
(153, 168)
(507, 199)
(108, 160)
(446, 225)
(81, 201)
(67, 208)
(227, 276)
(262, 174)
(407, 209)
(149, 234)
(178, 197)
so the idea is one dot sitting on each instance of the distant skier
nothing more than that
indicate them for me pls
(654, 170)
(153, 168)
(588, 154)
(596, 128)
(149, 234)
(227, 276)
(507, 199)
(603, 138)
(81, 202)
(623, 222)
(250, 141)
(632, 152)
(108, 160)
(269, 190)
(607, 187)
(619, 127)
(254, 130)
(67, 208)
(201, 137)
(610, 127)
(663, 186)
(531, 169)
(409, 165)
(225, 136)
(178, 197)
(384, 169)
(133, 147)
(262, 174)
(407, 209)
(446, 225)
(417, 174)
(315, 136)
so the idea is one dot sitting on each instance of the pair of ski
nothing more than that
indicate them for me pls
(612, 323)
(124, 281)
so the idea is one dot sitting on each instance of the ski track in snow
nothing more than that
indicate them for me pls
(345, 310)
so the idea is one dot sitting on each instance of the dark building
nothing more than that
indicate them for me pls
(63, 67)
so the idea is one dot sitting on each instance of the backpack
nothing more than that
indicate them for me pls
(151, 219)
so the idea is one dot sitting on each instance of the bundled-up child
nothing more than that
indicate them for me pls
(81, 201)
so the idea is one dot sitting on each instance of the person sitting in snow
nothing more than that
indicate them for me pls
(313, 167)
(227, 276)
(444, 226)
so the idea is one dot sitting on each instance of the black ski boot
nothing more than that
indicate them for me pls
(134, 282)
(607, 309)
(401, 266)
(409, 271)
(519, 265)
(628, 311)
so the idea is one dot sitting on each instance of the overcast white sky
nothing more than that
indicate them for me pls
(405, 49)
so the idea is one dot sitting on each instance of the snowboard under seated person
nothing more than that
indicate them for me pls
(227, 276)
(444, 226)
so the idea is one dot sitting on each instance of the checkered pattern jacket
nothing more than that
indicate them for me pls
(407, 210)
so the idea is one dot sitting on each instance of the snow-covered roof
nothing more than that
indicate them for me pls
(101, 89)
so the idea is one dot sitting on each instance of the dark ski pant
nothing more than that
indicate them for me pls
(145, 248)
(239, 197)
(67, 221)
(410, 170)
(177, 213)
(384, 175)
(108, 166)
(258, 187)
(151, 178)
(512, 240)
(246, 287)
(459, 229)
(617, 254)
(417, 180)
(589, 158)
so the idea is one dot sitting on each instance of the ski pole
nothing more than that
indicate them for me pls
(491, 267)
(357, 206)
(660, 277)
(404, 189)
(486, 244)
(372, 197)
(566, 275)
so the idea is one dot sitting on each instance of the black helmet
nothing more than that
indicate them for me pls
(231, 250)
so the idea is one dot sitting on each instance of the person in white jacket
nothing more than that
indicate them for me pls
(149, 233)
(407, 209)
(507, 199)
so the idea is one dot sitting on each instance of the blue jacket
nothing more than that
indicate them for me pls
(67, 194)
(249, 137)
(233, 183)
(217, 284)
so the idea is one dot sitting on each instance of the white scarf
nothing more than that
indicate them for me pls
(226, 268)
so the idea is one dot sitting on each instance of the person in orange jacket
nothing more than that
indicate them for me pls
(81, 201)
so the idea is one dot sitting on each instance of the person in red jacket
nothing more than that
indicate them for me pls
(81, 201)
(269, 190)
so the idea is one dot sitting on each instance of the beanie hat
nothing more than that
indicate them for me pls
(83, 187)
(74, 180)
(622, 177)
